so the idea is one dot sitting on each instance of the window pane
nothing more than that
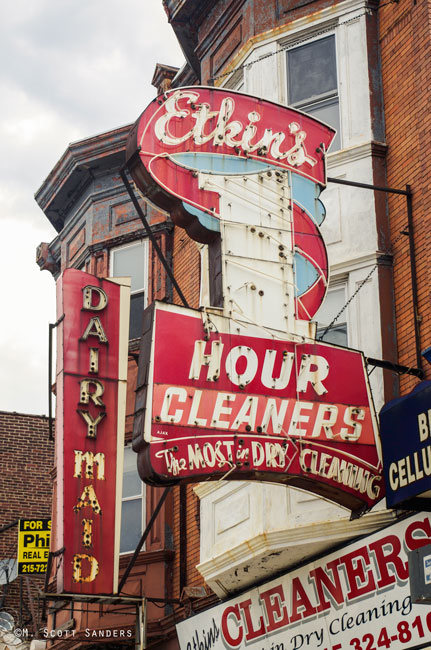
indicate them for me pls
(328, 112)
(137, 306)
(130, 261)
(132, 484)
(334, 301)
(337, 334)
(131, 525)
(312, 70)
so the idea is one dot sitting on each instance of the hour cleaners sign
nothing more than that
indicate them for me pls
(357, 598)
(217, 399)
(91, 391)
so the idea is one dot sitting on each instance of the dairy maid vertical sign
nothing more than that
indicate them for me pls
(245, 391)
(91, 393)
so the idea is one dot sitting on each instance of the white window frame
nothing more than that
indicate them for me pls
(293, 43)
(336, 285)
(236, 81)
(133, 498)
(145, 249)
(144, 243)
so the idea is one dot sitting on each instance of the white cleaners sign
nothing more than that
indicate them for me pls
(355, 599)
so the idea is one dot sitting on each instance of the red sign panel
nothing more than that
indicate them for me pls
(216, 399)
(91, 386)
(211, 130)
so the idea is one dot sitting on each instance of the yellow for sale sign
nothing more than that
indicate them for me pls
(33, 545)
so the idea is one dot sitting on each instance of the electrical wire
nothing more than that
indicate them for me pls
(331, 324)
(291, 45)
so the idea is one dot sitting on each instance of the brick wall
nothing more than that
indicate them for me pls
(405, 41)
(186, 265)
(27, 458)
(186, 260)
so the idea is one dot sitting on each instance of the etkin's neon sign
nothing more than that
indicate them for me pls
(245, 391)
(211, 156)
(199, 129)
(91, 391)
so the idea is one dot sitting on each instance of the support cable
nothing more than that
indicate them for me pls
(417, 372)
(359, 287)
(150, 234)
(290, 45)
(143, 538)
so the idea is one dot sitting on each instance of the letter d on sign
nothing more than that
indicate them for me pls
(78, 569)
(101, 298)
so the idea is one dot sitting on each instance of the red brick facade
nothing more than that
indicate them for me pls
(405, 43)
(27, 457)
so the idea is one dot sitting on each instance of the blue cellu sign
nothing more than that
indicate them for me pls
(405, 429)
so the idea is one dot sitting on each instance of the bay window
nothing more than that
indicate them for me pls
(133, 506)
(312, 84)
(131, 260)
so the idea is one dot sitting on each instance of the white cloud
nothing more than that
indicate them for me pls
(69, 70)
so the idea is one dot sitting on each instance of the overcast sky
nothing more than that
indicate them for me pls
(70, 69)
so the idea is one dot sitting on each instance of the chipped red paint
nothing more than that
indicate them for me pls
(88, 385)
(254, 408)
(215, 127)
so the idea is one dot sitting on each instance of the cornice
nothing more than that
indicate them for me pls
(289, 545)
(95, 197)
(76, 169)
(360, 262)
(356, 152)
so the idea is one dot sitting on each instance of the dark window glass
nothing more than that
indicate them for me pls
(312, 82)
(331, 306)
(131, 526)
(329, 112)
(132, 504)
(337, 334)
(312, 71)
(137, 306)
(131, 261)
(132, 484)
